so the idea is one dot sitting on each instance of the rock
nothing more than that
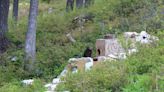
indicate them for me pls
(131, 51)
(74, 69)
(143, 38)
(107, 58)
(122, 56)
(50, 10)
(56, 80)
(112, 56)
(71, 60)
(119, 56)
(13, 59)
(51, 87)
(89, 64)
(63, 73)
(47, 85)
(28, 82)
(154, 38)
(130, 34)
(81, 64)
(101, 58)
(70, 38)
(144, 34)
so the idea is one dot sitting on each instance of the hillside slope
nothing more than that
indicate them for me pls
(54, 49)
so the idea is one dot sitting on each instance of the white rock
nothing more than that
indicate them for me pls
(63, 73)
(69, 36)
(144, 34)
(131, 51)
(74, 70)
(14, 59)
(89, 63)
(48, 85)
(113, 56)
(28, 82)
(53, 87)
(72, 60)
(154, 38)
(122, 56)
(110, 59)
(143, 38)
(130, 34)
(145, 41)
(50, 10)
(101, 58)
(104, 58)
(56, 80)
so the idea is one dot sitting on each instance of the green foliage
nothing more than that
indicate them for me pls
(54, 49)
(139, 83)
(15, 86)
(161, 83)
(150, 59)
(107, 76)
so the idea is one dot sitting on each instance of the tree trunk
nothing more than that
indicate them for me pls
(88, 3)
(30, 45)
(79, 3)
(69, 5)
(4, 10)
(15, 9)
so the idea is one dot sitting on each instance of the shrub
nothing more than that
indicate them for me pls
(16, 86)
(107, 76)
(147, 60)
(139, 83)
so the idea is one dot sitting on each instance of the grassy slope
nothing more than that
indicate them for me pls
(53, 49)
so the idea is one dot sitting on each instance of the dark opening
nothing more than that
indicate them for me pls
(144, 37)
(99, 52)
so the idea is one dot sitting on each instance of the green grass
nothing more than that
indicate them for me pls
(54, 49)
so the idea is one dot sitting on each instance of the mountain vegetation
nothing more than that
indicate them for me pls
(51, 49)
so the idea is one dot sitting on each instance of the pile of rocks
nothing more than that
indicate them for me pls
(143, 37)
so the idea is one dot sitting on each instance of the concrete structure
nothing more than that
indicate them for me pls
(107, 47)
